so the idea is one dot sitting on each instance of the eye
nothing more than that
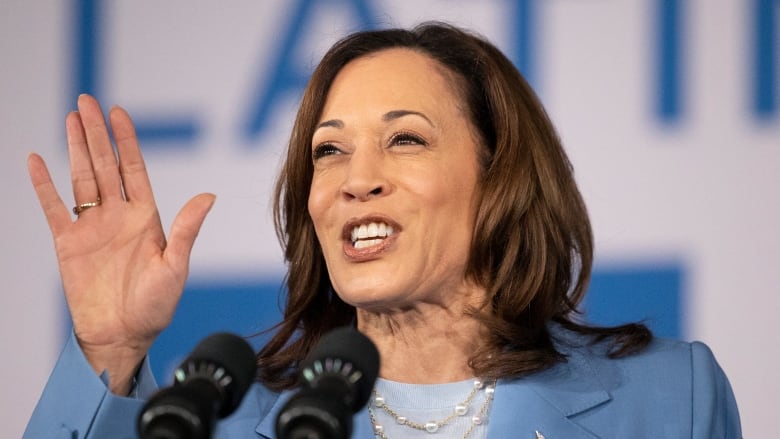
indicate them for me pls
(324, 149)
(407, 138)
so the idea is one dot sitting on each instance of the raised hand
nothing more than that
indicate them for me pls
(122, 278)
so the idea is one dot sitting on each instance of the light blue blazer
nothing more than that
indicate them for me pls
(670, 390)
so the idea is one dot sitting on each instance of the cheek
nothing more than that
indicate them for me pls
(454, 190)
(317, 206)
(459, 198)
(318, 201)
(324, 213)
(449, 208)
(314, 205)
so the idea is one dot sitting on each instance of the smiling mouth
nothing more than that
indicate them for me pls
(367, 235)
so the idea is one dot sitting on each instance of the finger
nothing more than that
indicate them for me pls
(132, 168)
(54, 209)
(104, 162)
(185, 229)
(82, 177)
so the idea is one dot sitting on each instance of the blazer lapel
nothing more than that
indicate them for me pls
(546, 402)
(267, 426)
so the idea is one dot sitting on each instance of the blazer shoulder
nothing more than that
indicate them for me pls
(674, 386)
(665, 367)
(715, 411)
(583, 348)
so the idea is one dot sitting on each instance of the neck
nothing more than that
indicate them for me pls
(424, 344)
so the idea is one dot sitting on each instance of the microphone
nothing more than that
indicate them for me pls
(336, 381)
(208, 385)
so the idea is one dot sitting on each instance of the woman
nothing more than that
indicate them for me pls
(425, 199)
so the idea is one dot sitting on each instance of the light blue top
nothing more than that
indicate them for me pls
(670, 390)
(421, 403)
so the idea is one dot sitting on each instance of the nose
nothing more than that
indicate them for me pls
(366, 174)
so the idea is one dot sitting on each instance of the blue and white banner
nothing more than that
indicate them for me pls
(669, 110)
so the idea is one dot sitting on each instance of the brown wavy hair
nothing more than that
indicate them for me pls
(532, 248)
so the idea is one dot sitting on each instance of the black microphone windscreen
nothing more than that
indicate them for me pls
(236, 356)
(209, 384)
(349, 346)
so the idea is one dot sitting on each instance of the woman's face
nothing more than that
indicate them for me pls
(394, 188)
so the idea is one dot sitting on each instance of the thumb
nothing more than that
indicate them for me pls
(185, 229)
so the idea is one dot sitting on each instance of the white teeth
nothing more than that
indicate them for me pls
(367, 243)
(370, 234)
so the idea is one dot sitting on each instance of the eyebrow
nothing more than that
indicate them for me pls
(395, 114)
(335, 123)
(387, 117)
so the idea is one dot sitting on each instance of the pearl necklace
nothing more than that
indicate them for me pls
(433, 426)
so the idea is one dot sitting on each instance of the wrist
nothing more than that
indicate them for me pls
(119, 363)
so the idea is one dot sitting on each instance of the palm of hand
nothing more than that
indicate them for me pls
(118, 283)
(122, 278)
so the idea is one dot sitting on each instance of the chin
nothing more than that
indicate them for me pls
(373, 297)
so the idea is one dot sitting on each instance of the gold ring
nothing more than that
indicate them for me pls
(84, 206)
